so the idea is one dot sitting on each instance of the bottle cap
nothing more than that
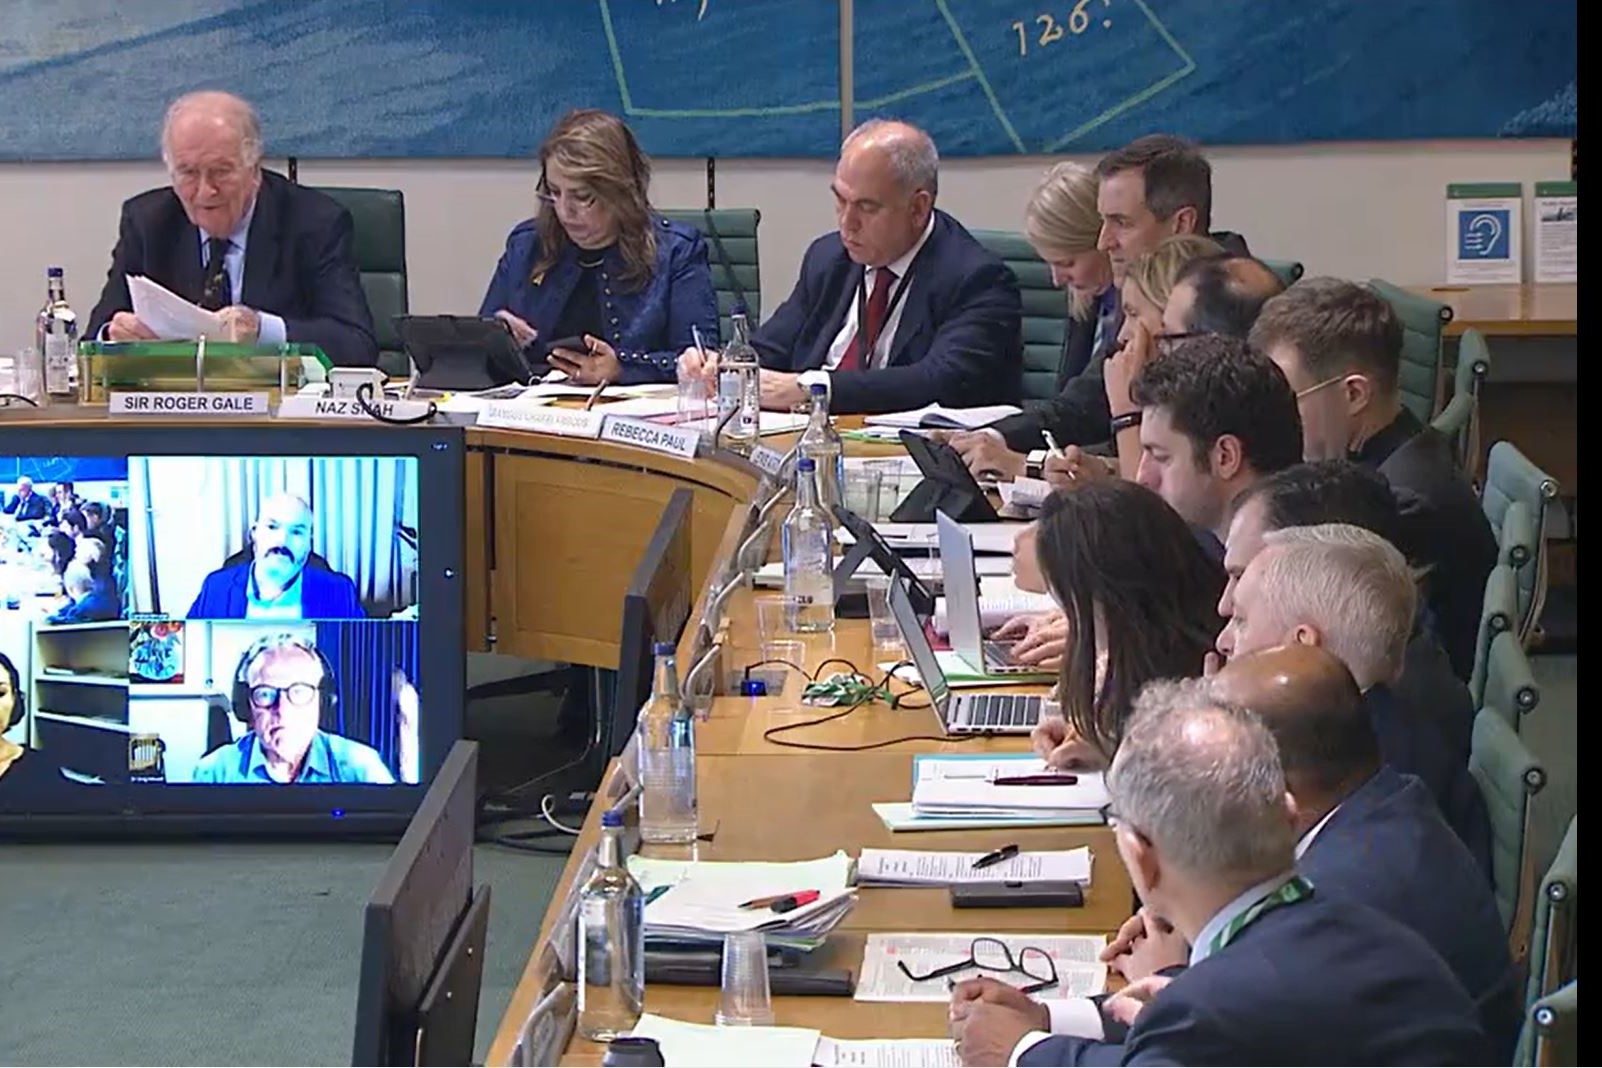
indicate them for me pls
(664, 649)
(818, 389)
(806, 463)
(753, 688)
(54, 272)
(611, 818)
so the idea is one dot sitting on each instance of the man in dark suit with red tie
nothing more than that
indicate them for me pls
(898, 308)
(272, 258)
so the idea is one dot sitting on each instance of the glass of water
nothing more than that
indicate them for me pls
(887, 644)
(27, 376)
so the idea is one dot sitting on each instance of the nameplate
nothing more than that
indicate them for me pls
(568, 422)
(208, 403)
(311, 407)
(767, 460)
(675, 441)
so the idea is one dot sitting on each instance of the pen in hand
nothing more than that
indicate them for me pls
(595, 394)
(700, 347)
(1052, 446)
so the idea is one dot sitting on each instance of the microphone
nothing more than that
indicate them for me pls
(693, 676)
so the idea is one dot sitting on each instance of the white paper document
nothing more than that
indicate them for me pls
(887, 1053)
(987, 537)
(963, 785)
(703, 899)
(1024, 492)
(900, 816)
(910, 867)
(939, 417)
(1000, 599)
(696, 1045)
(169, 316)
(1079, 973)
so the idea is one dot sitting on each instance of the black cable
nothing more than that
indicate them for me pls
(770, 735)
(364, 401)
(17, 396)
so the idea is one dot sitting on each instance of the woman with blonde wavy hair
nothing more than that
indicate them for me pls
(1150, 278)
(598, 284)
(1063, 225)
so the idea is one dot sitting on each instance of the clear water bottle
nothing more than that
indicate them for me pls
(668, 812)
(739, 388)
(808, 556)
(56, 334)
(821, 443)
(611, 935)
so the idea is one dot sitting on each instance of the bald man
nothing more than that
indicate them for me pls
(900, 306)
(277, 583)
(1220, 295)
(272, 258)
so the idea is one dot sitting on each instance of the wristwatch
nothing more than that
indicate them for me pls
(1124, 422)
(1035, 463)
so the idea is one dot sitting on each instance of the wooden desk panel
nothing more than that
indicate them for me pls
(1544, 310)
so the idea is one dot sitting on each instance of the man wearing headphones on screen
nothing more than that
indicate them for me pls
(281, 689)
(276, 583)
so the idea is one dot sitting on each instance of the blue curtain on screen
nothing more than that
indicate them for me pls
(364, 655)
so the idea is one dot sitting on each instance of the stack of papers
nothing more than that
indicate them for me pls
(999, 600)
(1080, 973)
(701, 900)
(787, 1047)
(169, 316)
(962, 786)
(908, 867)
(939, 417)
(987, 537)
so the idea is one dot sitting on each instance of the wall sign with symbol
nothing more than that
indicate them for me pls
(1483, 230)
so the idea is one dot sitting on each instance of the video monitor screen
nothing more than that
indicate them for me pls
(177, 622)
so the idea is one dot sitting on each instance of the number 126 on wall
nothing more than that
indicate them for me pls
(1050, 30)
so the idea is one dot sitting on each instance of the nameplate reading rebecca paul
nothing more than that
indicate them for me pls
(568, 422)
(767, 460)
(672, 440)
(208, 403)
(305, 406)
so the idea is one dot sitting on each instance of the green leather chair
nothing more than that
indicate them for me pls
(731, 238)
(1459, 420)
(1551, 1031)
(1498, 613)
(379, 245)
(1045, 310)
(1553, 949)
(1289, 271)
(1514, 499)
(1508, 776)
(1510, 685)
(1423, 320)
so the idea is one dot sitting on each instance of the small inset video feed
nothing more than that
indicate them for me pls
(63, 703)
(273, 538)
(228, 703)
(64, 538)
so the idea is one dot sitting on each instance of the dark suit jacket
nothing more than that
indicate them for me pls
(1410, 743)
(1430, 686)
(298, 265)
(36, 507)
(323, 595)
(1079, 414)
(958, 342)
(1326, 981)
(1387, 847)
(1443, 526)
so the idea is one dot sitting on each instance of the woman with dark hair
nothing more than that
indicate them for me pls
(61, 548)
(597, 267)
(19, 766)
(1140, 598)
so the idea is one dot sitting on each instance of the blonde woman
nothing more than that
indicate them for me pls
(1062, 225)
(597, 283)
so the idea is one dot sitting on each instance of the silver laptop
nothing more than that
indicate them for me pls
(962, 604)
(971, 712)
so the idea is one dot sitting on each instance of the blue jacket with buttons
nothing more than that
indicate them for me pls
(648, 326)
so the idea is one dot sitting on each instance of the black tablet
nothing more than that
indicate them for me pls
(463, 352)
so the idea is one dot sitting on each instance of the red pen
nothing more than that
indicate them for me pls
(789, 901)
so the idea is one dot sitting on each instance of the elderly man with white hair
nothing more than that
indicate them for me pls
(1350, 591)
(272, 258)
(1279, 972)
(898, 307)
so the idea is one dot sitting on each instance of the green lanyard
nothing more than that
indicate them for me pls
(1288, 892)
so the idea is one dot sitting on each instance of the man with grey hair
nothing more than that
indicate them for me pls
(1348, 590)
(272, 258)
(900, 306)
(1278, 973)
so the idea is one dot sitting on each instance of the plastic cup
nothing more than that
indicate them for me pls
(887, 644)
(745, 1000)
(693, 405)
(771, 621)
(864, 487)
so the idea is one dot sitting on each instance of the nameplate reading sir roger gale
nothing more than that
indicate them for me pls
(204, 403)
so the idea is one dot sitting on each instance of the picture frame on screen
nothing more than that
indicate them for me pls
(237, 633)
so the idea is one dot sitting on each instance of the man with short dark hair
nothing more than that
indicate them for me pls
(1220, 295)
(1340, 346)
(1215, 417)
(1152, 188)
(1279, 972)
(1338, 491)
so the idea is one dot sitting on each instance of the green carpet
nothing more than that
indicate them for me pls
(214, 954)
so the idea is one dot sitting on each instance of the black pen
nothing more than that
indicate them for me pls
(1006, 852)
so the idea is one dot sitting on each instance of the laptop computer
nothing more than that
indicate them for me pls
(962, 604)
(974, 712)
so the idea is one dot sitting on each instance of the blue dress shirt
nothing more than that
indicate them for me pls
(330, 759)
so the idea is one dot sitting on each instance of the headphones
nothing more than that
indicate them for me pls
(19, 700)
(328, 698)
